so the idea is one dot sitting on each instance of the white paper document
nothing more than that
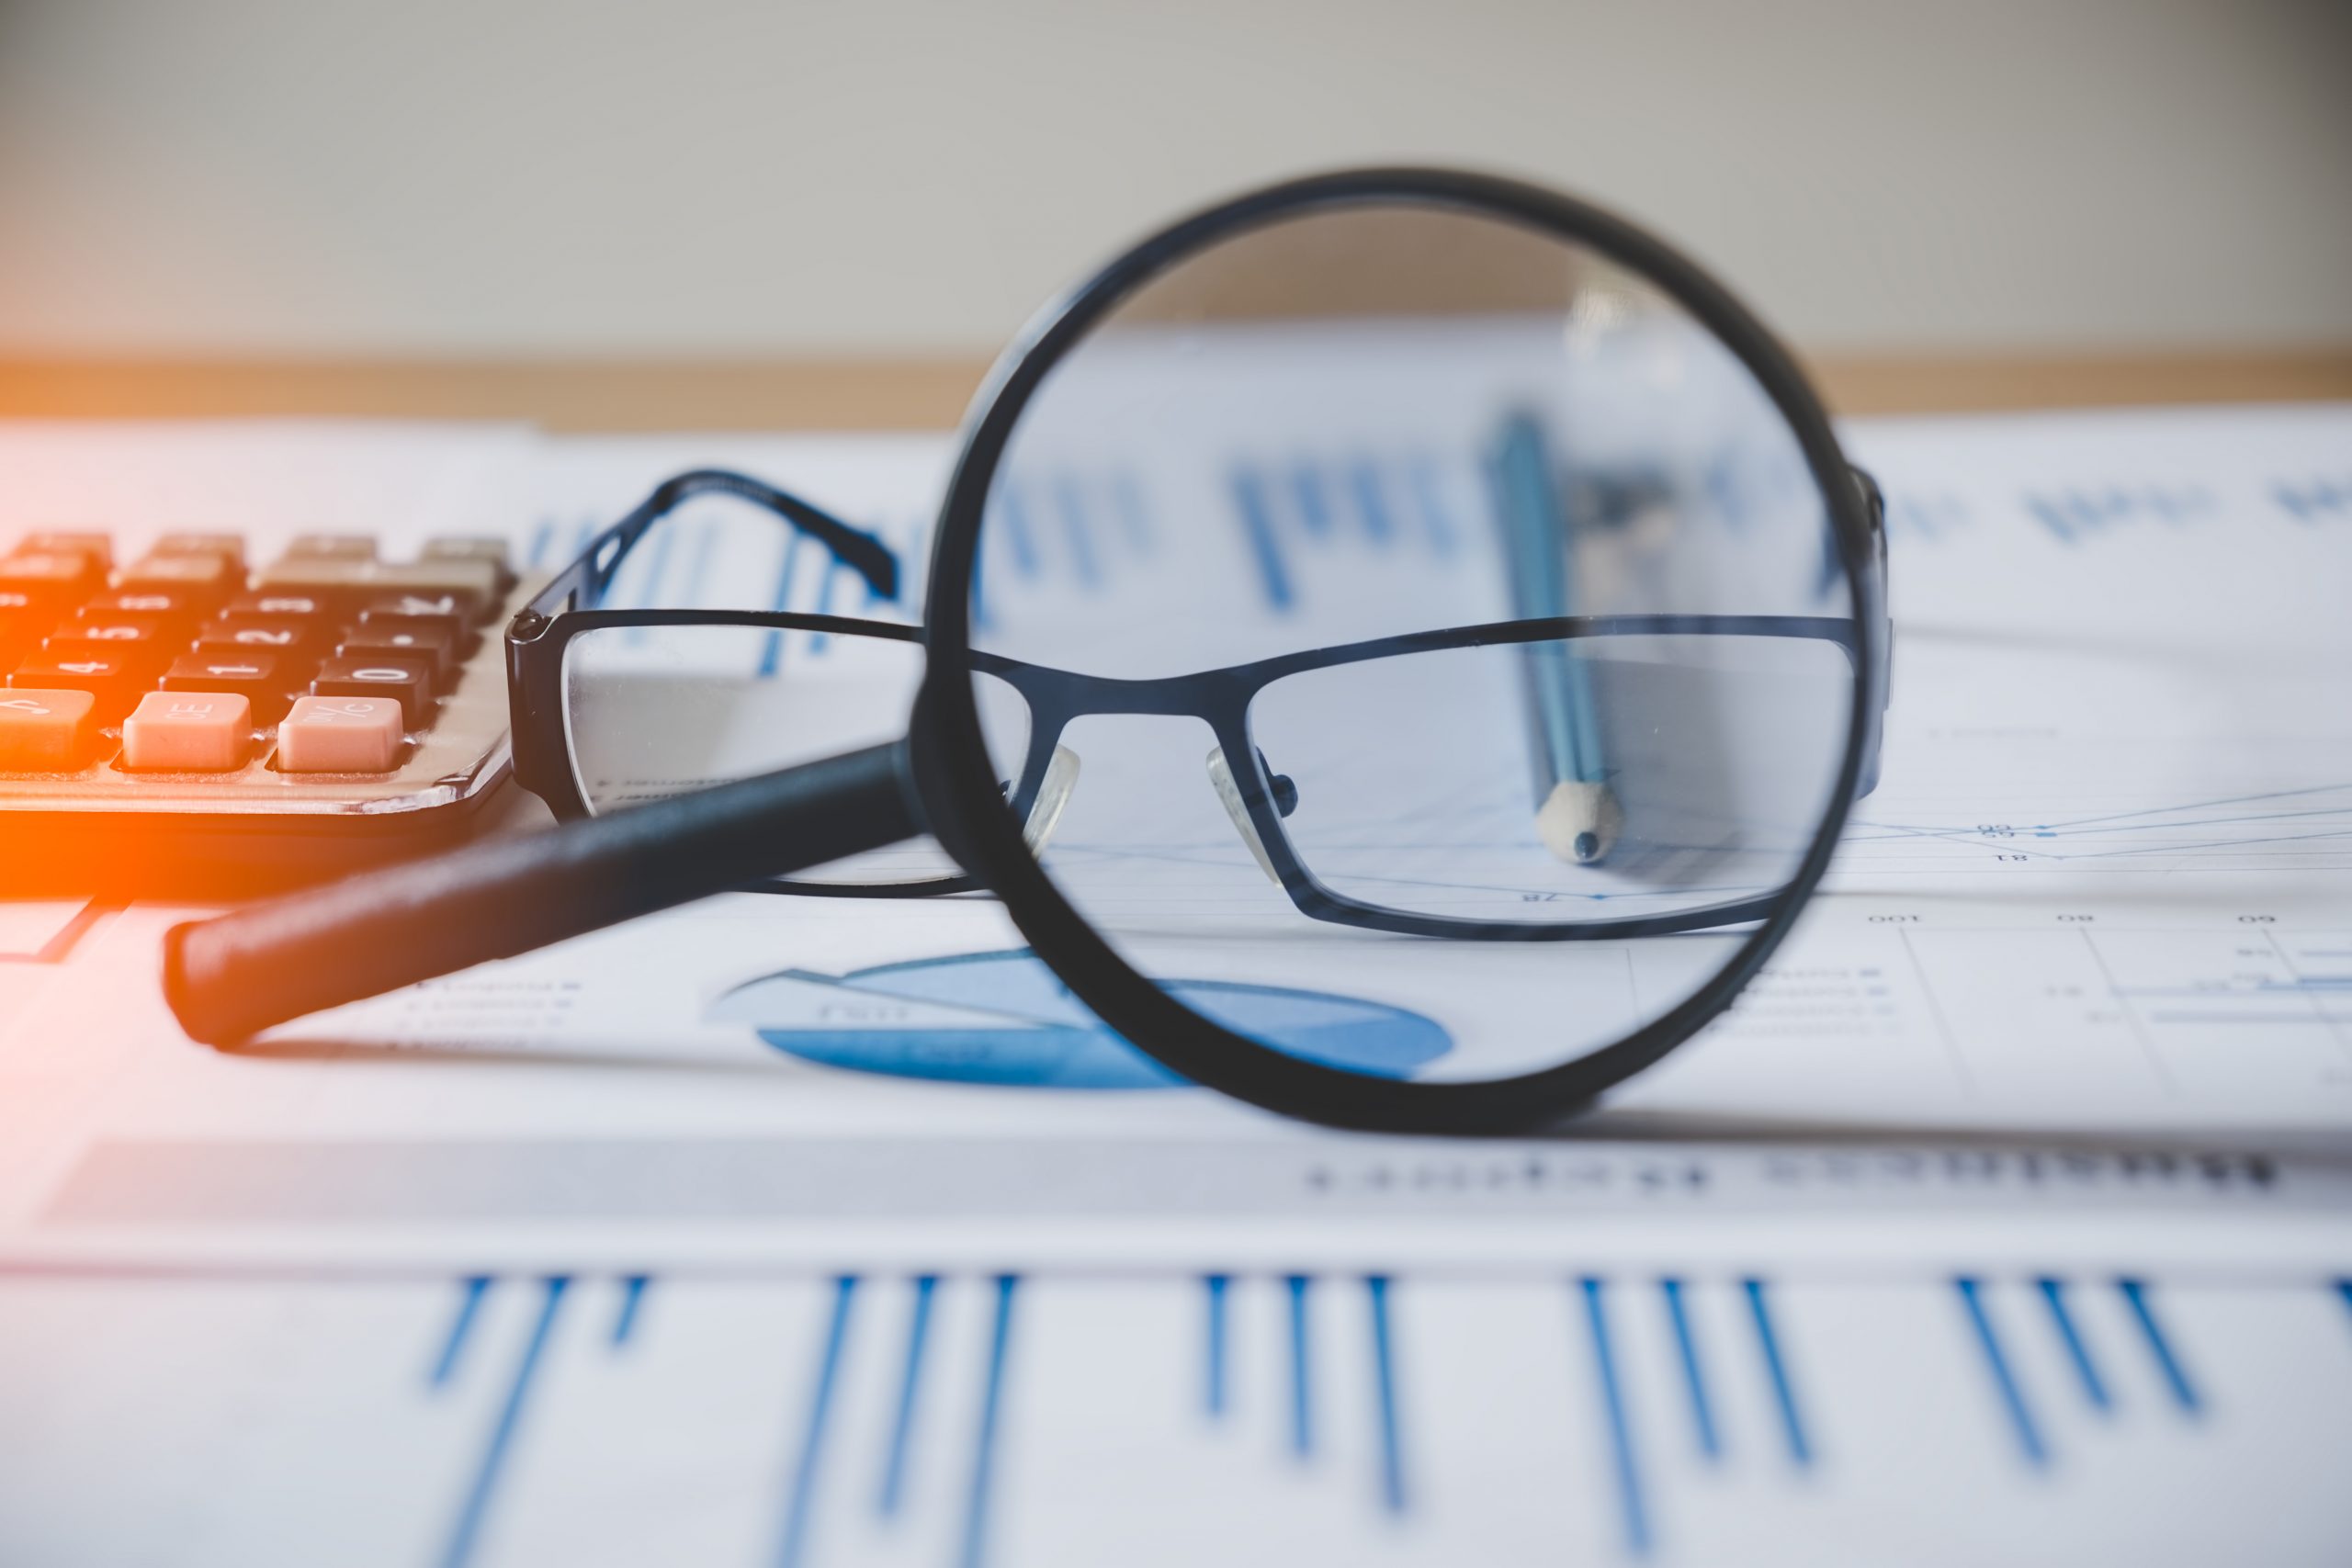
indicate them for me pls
(826, 1231)
(2105, 886)
(1576, 1415)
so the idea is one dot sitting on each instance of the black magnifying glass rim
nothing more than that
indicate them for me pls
(957, 781)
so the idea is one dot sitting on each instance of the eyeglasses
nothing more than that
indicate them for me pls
(615, 707)
(1428, 556)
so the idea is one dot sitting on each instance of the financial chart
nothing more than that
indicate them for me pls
(967, 1420)
(779, 1231)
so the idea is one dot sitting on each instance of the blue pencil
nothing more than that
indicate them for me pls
(1576, 813)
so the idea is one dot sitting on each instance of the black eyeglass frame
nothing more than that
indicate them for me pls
(954, 776)
(539, 637)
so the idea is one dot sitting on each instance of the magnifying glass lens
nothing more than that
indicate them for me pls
(1429, 637)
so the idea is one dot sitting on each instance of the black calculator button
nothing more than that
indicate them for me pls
(210, 577)
(487, 547)
(470, 587)
(333, 547)
(149, 639)
(147, 603)
(248, 609)
(230, 545)
(257, 677)
(99, 546)
(374, 644)
(409, 682)
(52, 577)
(116, 681)
(411, 611)
(440, 614)
(339, 583)
(227, 639)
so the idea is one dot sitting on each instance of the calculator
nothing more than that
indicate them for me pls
(193, 723)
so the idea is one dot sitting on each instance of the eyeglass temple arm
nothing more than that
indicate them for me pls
(229, 977)
(860, 551)
(1881, 671)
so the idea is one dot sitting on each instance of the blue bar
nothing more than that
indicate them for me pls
(1383, 1361)
(2307, 504)
(1132, 513)
(902, 1422)
(632, 1299)
(772, 651)
(1302, 1428)
(657, 565)
(541, 537)
(2052, 518)
(1792, 1423)
(2005, 1381)
(824, 600)
(2054, 1292)
(2344, 1288)
(2183, 1393)
(476, 1507)
(1363, 481)
(873, 595)
(1220, 1289)
(445, 1365)
(1702, 1414)
(802, 1501)
(1722, 485)
(976, 1513)
(1620, 1437)
(1314, 506)
(698, 567)
(1258, 525)
(648, 596)
(1016, 531)
(2086, 510)
(916, 562)
(1081, 544)
(1432, 506)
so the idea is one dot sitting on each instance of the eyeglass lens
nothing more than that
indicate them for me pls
(655, 710)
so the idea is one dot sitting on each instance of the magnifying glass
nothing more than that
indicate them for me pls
(1401, 646)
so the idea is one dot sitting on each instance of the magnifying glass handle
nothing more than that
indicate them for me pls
(232, 977)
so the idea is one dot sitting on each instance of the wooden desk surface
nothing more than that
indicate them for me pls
(922, 394)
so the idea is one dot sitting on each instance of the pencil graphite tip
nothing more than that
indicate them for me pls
(1579, 821)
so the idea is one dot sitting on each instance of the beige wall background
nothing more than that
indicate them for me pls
(706, 177)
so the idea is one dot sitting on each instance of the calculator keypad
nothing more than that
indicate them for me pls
(328, 661)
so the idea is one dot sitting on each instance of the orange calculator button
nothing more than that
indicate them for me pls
(43, 733)
(340, 735)
(193, 732)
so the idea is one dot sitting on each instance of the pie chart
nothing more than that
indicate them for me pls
(1005, 1018)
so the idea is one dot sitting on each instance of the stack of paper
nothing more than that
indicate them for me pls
(2030, 1240)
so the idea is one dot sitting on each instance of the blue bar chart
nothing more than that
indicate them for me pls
(969, 1418)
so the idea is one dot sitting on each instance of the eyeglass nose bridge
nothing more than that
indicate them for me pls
(1056, 698)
